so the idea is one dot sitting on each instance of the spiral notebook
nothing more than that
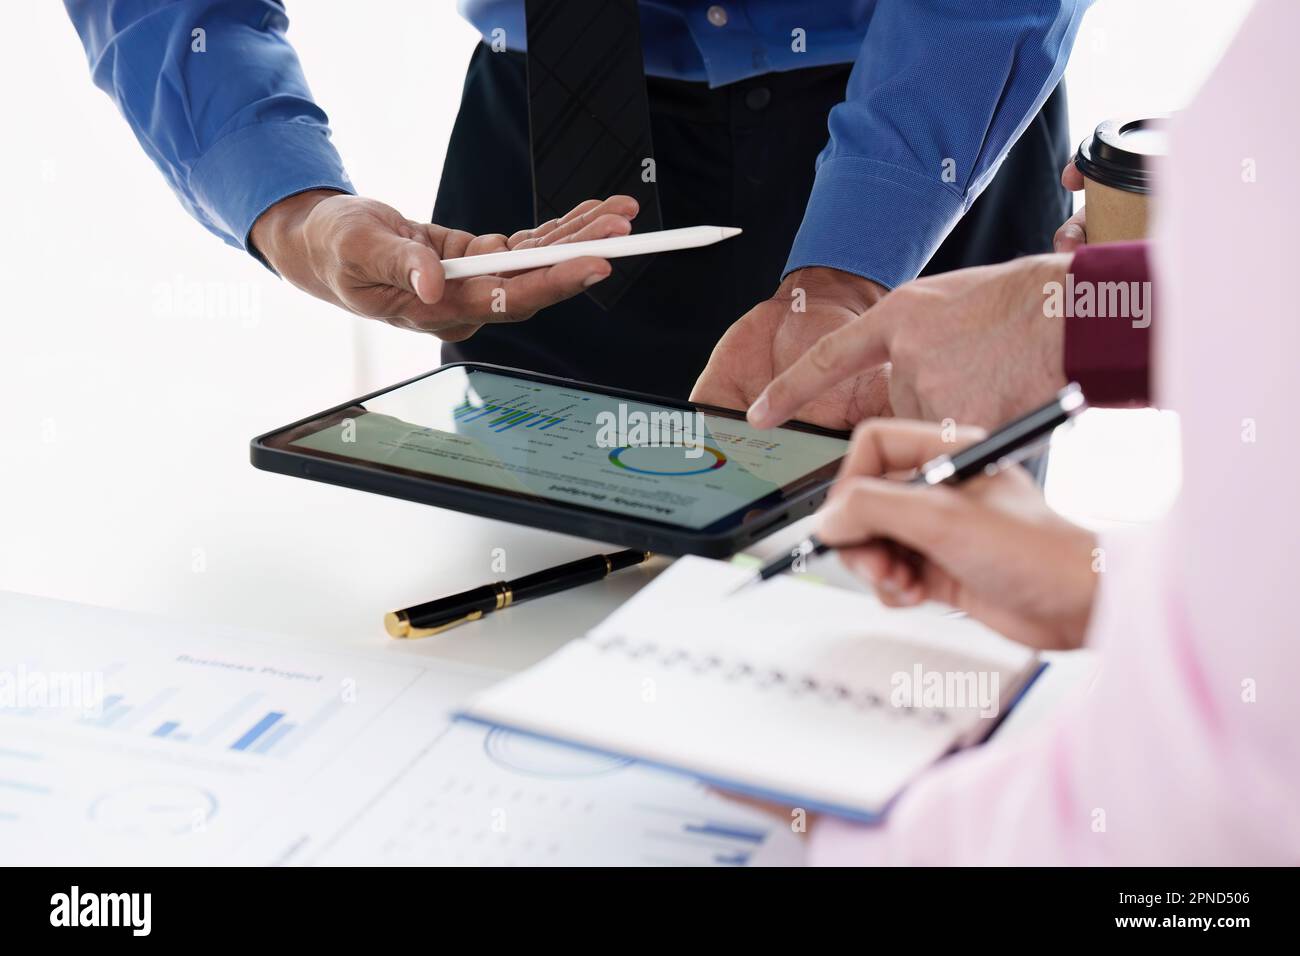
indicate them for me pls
(806, 694)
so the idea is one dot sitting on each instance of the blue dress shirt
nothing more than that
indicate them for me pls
(939, 91)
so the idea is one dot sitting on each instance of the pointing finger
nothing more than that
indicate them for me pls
(858, 346)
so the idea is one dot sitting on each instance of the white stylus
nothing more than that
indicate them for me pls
(496, 263)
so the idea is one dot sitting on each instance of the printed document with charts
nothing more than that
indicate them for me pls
(813, 696)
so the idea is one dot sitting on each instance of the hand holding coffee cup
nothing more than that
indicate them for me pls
(1114, 166)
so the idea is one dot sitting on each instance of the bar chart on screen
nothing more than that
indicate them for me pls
(501, 413)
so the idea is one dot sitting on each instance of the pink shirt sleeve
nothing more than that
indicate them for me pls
(1186, 749)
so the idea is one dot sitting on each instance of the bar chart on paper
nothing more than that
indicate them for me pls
(185, 704)
(240, 699)
(201, 744)
(130, 738)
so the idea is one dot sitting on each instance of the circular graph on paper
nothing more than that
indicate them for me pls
(154, 809)
(531, 757)
(667, 460)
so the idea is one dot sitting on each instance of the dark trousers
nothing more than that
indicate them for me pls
(739, 155)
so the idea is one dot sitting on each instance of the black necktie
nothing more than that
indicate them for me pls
(589, 117)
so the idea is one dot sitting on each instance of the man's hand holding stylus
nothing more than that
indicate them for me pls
(989, 546)
(368, 258)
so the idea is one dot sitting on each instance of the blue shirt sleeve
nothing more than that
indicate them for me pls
(940, 91)
(216, 96)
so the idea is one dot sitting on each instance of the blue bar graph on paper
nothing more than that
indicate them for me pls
(272, 737)
(731, 859)
(730, 832)
(259, 728)
(220, 727)
(165, 728)
(111, 710)
(554, 421)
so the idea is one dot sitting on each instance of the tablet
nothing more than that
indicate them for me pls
(639, 471)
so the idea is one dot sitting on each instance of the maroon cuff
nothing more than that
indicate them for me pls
(1109, 308)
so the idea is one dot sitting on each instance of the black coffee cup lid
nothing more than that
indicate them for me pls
(1119, 152)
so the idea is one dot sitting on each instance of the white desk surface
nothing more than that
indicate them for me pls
(198, 533)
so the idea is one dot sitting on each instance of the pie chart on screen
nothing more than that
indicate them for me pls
(668, 460)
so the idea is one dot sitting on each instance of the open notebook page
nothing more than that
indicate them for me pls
(812, 694)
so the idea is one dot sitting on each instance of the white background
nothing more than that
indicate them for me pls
(138, 354)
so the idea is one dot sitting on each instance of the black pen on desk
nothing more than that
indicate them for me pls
(1009, 445)
(434, 617)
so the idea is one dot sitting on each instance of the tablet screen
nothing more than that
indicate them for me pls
(661, 463)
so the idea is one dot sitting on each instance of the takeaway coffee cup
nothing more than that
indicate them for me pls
(1116, 165)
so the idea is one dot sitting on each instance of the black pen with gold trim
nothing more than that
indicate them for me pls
(434, 617)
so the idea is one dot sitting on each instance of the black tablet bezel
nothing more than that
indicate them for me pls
(272, 452)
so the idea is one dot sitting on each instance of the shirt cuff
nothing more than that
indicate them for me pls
(874, 220)
(1108, 350)
(251, 169)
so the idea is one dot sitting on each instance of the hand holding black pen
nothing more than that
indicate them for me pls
(1012, 443)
